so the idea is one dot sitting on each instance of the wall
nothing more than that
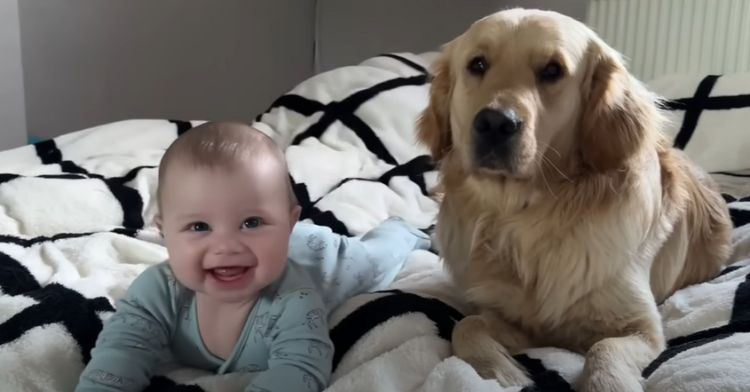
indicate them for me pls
(12, 116)
(669, 37)
(350, 31)
(88, 62)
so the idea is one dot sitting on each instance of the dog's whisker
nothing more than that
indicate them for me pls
(552, 163)
(544, 178)
(557, 169)
(556, 151)
(612, 188)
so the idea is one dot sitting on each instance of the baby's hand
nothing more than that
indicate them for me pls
(430, 232)
(423, 236)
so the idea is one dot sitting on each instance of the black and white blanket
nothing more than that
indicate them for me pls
(76, 226)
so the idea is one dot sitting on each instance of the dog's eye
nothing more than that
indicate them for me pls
(551, 72)
(477, 66)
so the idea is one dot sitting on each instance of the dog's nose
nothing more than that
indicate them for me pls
(497, 123)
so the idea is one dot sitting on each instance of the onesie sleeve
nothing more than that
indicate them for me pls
(301, 352)
(346, 266)
(127, 349)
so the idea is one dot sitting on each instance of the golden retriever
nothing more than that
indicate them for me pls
(565, 214)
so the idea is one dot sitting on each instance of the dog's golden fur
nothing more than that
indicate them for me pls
(591, 220)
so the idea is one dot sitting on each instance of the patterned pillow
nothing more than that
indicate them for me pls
(710, 117)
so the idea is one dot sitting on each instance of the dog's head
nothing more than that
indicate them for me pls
(525, 90)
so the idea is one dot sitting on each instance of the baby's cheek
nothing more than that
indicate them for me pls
(186, 271)
(275, 267)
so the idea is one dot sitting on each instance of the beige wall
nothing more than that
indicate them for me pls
(91, 61)
(87, 62)
(351, 30)
(12, 115)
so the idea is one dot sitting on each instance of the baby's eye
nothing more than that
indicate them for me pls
(198, 226)
(251, 223)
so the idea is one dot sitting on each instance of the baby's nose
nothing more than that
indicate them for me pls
(227, 244)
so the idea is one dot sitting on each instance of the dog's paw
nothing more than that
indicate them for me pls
(514, 378)
(600, 380)
(506, 376)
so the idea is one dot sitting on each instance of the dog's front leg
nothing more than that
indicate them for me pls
(487, 342)
(615, 364)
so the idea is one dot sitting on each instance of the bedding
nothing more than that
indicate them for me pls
(709, 116)
(76, 227)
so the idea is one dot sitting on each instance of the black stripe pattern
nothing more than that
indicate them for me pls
(545, 380)
(739, 322)
(702, 101)
(182, 126)
(344, 111)
(398, 303)
(129, 198)
(58, 303)
(411, 64)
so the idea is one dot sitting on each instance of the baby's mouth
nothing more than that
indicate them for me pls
(228, 274)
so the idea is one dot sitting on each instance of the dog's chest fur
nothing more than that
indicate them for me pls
(534, 262)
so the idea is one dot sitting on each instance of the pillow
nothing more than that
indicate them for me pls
(710, 117)
(351, 147)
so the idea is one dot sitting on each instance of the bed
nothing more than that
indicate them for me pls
(76, 226)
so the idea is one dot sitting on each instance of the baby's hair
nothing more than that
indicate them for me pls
(221, 144)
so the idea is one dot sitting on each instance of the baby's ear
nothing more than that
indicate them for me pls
(294, 216)
(158, 221)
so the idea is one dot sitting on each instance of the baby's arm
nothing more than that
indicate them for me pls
(347, 266)
(127, 349)
(387, 247)
(300, 353)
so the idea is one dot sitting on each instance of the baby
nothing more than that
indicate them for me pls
(228, 300)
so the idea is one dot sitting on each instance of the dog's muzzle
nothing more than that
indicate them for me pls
(496, 134)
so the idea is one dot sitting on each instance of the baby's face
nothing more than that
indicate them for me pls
(227, 230)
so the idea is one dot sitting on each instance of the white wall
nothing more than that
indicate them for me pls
(88, 62)
(12, 116)
(349, 31)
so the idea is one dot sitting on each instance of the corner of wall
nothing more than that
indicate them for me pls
(12, 94)
(316, 37)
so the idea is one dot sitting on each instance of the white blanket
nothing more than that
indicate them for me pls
(76, 226)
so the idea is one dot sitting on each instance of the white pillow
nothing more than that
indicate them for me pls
(710, 117)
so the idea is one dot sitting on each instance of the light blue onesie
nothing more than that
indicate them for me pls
(284, 342)
(342, 267)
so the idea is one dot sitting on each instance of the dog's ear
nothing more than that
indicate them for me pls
(433, 127)
(619, 114)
